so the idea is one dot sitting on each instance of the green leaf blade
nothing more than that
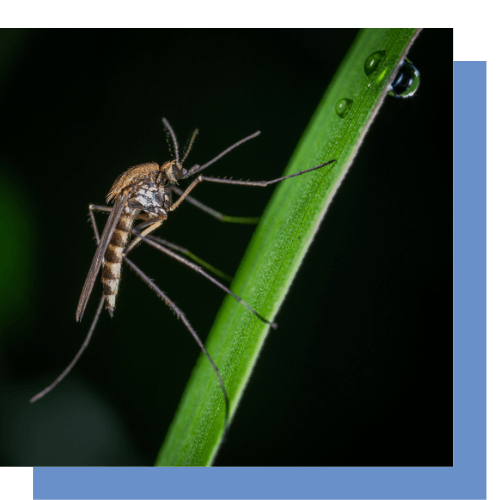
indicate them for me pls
(280, 243)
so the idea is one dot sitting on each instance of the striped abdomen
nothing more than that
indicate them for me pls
(114, 257)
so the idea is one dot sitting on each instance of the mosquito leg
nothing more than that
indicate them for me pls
(186, 192)
(202, 178)
(75, 359)
(189, 254)
(160, 293)
(199, 270)
(104, 208)
(214, 213)
(198, 168)
(260, 183)
(92, 220)
(92, 327)
(99, 208)
(183, 318)
(140, 232)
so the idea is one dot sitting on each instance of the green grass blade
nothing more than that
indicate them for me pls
(280, 242)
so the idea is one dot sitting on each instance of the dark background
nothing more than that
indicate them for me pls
(359, 371)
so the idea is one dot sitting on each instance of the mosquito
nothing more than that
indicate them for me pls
(145, 192)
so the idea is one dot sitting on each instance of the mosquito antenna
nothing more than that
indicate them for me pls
(171, 137)
(178, 312)
(75, 359)
(196, 168)
(189, 146)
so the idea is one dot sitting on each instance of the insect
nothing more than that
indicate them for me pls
(145, 192)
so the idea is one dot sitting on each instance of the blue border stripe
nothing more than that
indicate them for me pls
(467, 479)
(470, 272)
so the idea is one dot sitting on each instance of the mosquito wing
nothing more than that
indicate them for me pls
(113, 219)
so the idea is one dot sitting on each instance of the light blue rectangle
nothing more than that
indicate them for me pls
(466, 479)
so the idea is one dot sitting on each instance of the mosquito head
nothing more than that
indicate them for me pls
(171, 172)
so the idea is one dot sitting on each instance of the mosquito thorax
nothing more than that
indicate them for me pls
(151, 198)
(131, 178)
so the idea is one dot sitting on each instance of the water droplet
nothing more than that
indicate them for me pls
(342, 107)
(406, 82)
(373, 62)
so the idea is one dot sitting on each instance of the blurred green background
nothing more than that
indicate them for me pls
(359, 371)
